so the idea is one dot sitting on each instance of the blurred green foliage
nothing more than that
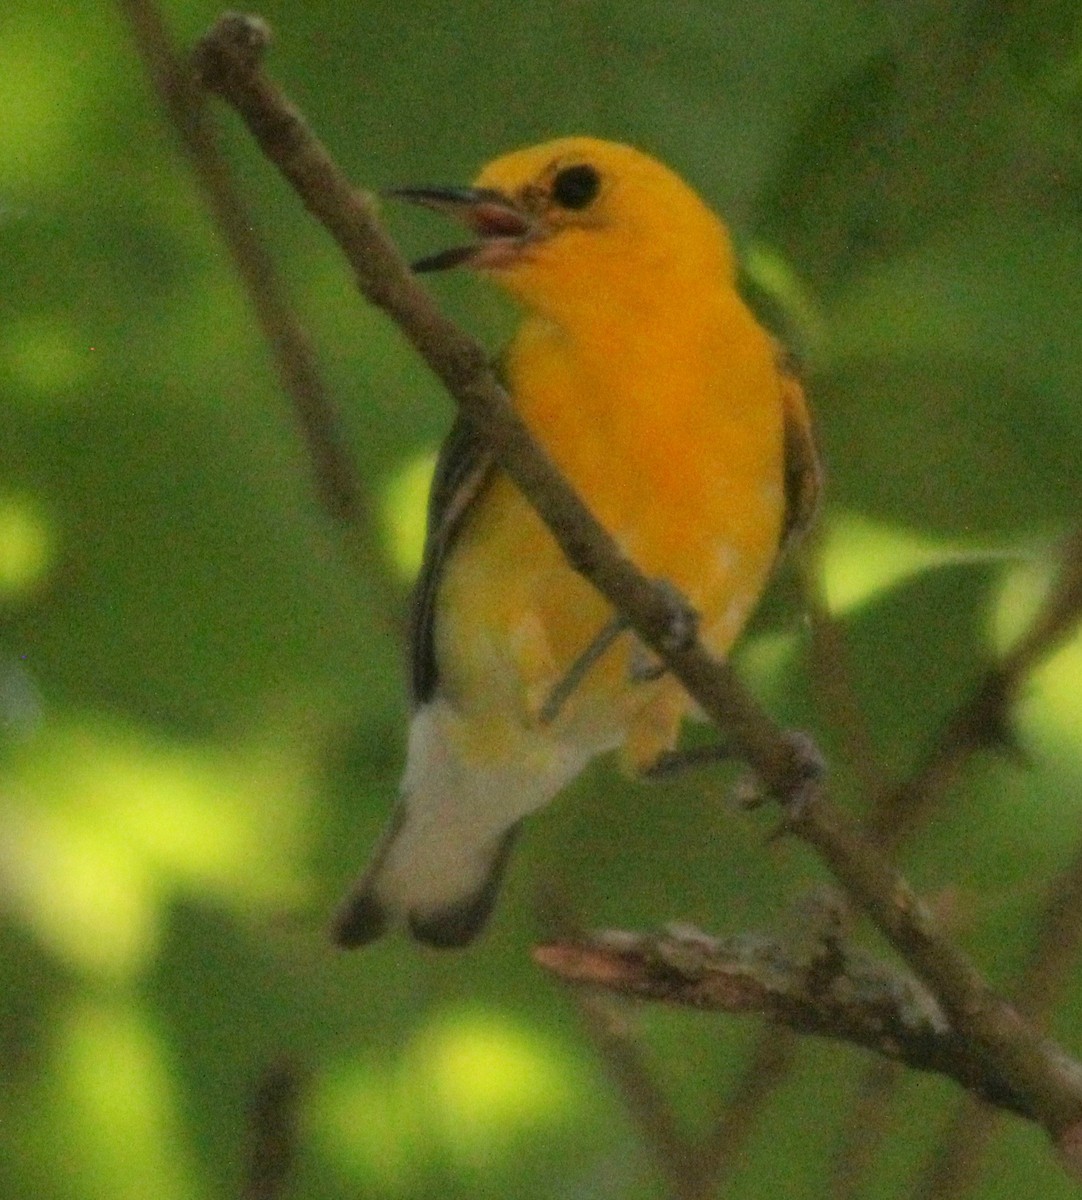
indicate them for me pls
(201, 713)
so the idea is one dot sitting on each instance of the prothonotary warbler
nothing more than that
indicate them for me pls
(643, 374)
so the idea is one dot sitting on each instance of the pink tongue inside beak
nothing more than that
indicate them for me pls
(492, 216)
(496, 220)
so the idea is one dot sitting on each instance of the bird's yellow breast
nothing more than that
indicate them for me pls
(674, 440)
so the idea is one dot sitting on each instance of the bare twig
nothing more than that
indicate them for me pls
(319, 420)
(229, 60)
(983, 719)
(775, 1051)
(772, 1057)
(956, 1165)
(273, 1132)
(1056, 945)
(832, 678)
(674, 1154)
(857, 1150)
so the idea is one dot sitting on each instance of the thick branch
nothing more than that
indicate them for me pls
(839, 993)
(229, 60)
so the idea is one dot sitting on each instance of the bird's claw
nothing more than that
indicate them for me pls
(682, 628)
(805, 770)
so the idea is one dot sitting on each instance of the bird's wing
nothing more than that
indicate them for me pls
(803, 468)
(463, 470)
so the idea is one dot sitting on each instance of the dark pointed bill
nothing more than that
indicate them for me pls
(502, 227)
(443, 260)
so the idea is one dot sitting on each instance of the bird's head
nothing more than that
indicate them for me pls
(580, 220)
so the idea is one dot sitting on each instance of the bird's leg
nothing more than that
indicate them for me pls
(644, 667)
(672, 763)
(580, 668)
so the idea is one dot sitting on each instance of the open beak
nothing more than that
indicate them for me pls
(503, 230)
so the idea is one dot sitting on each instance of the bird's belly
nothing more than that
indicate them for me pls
(513, 617)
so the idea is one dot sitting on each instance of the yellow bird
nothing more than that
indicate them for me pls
(643, 374)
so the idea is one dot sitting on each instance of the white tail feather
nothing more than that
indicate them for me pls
(438, 865)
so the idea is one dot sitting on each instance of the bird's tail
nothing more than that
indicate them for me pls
(438, 867)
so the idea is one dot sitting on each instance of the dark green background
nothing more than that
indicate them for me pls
(201, 709)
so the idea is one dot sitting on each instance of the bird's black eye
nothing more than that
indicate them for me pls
(574, 187)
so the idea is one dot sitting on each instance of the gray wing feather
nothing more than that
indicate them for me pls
(463, 470)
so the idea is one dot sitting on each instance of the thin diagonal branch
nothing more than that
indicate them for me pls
(768, 1066)
(182, 100)
(983, 719)
(230, 63)
(674, 1154)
